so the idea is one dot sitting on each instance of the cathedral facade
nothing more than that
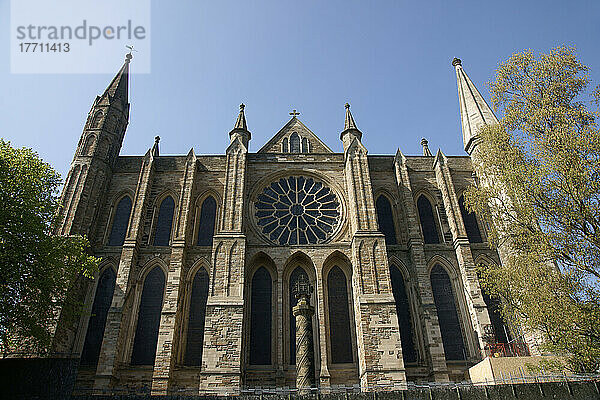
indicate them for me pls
(202, 257)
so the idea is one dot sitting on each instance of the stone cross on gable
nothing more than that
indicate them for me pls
(294, 113)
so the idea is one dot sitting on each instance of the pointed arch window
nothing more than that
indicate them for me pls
(284, 145)
(294, 143)
(164, 222)
(196, 320)
(339, 317)
(470, 221)
(304, 145)
(428, 225)
(103, 149)
(385, 217)
(260, 318)
(293, 301)
(206, 229)
(447, 313)
(501, 331)
(88, 146)
(97, 323)
(409, 352)
(120, 222)
(96, 120)
(146, 333)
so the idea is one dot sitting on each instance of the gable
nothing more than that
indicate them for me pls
(295, 132)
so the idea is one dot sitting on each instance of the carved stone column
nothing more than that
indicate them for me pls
(303, 311)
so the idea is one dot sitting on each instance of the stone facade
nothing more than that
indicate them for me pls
(351, 241)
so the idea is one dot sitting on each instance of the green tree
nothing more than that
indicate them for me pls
(36, 268)
(539, 194)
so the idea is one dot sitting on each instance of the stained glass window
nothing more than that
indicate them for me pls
(97, 323)
(146, 333)
(294, 143)
(339, 317)
(501, 331)
(297, 210)
(404, 316)
(293, 301)
(470, 221)
(305, 145)
(385, 218)
(164, 222)
(284, 145)
(447, 313)
(260, 318)
(120, 222)
(206, 229)
(430, 232)
(195, 330)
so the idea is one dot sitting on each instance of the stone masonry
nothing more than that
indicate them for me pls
(344, 237)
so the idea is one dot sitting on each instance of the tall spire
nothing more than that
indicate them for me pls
(119, 86)
(350, 125)
(349, 122)
(240, 129)
(240, 123)
(474, 111)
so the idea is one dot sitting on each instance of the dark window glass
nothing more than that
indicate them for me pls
(162, 234)
(385, 218)
(285, 146)
(206, 229)
(293, 301)
(409, 352)
(195, 330)
(146, 333)
(297, 210)
(501, 332)
(95, 330)
(430, 233)
(294, 143)
(339, 317)
(470, 221)
(304, 145)
(120, 222)
(260, 318)
(445, 304)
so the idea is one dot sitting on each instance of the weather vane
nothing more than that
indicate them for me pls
(130, 47)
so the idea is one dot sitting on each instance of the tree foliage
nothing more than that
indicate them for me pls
(36, 268)
(539, 194)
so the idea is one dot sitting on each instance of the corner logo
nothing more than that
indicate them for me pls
(74, 36)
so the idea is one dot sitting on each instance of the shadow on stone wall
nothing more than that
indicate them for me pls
(37, 378)
(523, 391)
(54, 378)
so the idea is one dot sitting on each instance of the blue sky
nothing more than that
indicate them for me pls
(389, 59)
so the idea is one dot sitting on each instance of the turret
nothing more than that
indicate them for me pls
(240, 130)
(96, 153)
(350, 131)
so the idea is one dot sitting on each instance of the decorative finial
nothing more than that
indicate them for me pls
(155, 150)
(347, 105)
(456, 61)
(129, 56)
(294, 113)
(426, 151)
(242, 106)
(302, 288)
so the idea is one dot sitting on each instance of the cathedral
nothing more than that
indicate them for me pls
(294, 266)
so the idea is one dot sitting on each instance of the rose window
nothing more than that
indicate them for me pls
(297, 210)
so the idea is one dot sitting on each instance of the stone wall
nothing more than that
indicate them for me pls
(534, 391)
